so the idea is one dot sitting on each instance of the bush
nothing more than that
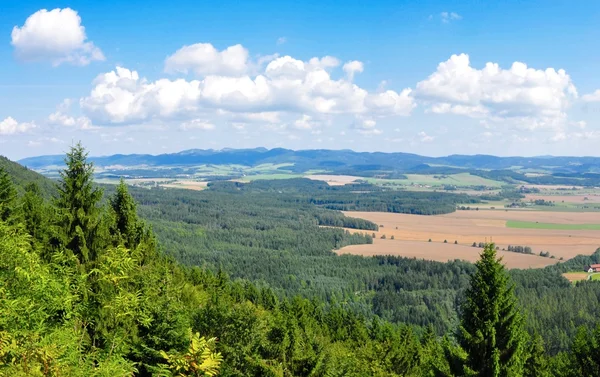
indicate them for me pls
(455, 242)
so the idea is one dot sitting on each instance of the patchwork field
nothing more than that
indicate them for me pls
(466, 227)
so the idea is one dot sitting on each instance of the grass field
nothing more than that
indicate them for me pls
(538, 225)
(596, 277)
(459, 180)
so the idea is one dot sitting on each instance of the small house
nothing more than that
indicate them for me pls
(593, 268)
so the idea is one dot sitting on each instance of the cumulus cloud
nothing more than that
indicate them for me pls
(366, 126)
(61, 117)
(527, 97)
(450, 16)
(56, 36)
(204, 59)
(10, 126)
(285, 85)
(352, 68)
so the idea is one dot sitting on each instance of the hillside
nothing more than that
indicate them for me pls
(21, 176)
(333, 159)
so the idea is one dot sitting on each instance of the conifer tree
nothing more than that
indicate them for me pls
(491, 326)
(8, 197)
(78, 202)
(536, 365)
(34, 212)
(128, 228)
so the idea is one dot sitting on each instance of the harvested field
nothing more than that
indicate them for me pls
(334, 180)
(442, 252)
(575, 276)
(467, 227)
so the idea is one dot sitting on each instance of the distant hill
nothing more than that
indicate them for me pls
(340, 161)
(22, 176)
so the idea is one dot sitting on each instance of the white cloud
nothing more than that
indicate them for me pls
(197, 124)
(353, 67)
(286, 85)
(281, 40)
(10, 126)
(366, 126)
(449, 16)
(424, 137)
(61, 117)
(204, 59)
(56, 36)
(307, 123)
(519, 96)
(591, 97)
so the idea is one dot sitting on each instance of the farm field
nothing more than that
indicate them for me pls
(575, 198)
(334, 180)
(575, 276)
(467, 227)
(459, 180)
(538, 225)
(442, 252)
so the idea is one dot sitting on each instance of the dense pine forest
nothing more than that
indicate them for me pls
(234, 283)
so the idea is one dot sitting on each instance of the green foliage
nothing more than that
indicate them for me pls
(199, 360)
(491, 327)
(78, 206)
(89, 294)
(8, 197)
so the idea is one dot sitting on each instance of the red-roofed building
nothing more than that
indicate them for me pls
(593, 268)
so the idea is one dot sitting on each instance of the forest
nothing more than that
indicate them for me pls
(226, 282)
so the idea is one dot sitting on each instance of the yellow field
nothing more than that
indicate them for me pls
(575, 276)
(442, 252)
(467, 227)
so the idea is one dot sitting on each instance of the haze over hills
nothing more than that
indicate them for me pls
(334, 160)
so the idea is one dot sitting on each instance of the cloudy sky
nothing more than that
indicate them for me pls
(435, 78)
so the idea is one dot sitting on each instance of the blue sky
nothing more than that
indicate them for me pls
(433, 77)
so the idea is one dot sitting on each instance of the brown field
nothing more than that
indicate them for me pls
(442, 252)
(579, 198)
(333, 180)
(190, 185)
(575, 276)
(467, 227)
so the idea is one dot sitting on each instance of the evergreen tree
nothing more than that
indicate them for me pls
(78, 203)
(491, 326)
(8, 197)
(586, 352)
(34, 213)
(128, 228)
(536, 365)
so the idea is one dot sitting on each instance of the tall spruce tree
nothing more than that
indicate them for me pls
(491, 327)
(127, 227)
(78, 202)
(8, 197)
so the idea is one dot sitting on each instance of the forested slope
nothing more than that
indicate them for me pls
(85, 291)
